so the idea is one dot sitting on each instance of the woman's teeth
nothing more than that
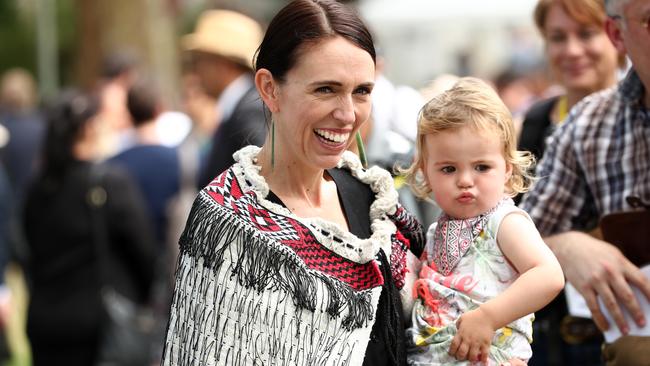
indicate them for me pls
(334, 137)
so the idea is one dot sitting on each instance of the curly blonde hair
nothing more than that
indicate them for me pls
(470, 102)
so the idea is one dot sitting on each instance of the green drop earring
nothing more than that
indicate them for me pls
(362, 150)
(272, 144)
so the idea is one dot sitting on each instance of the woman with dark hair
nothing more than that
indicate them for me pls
(65, 313)
(296, 254)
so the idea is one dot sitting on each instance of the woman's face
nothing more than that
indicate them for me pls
(322, 103)
(581, 56)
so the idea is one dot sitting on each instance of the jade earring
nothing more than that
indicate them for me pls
(362, 150)
(272, 144)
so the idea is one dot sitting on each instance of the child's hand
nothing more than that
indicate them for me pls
(474, 336)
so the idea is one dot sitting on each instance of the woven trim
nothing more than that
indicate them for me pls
(337, 239)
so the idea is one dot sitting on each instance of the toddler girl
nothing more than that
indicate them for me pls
(485, 268)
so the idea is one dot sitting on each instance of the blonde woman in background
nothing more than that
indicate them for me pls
(581, 59)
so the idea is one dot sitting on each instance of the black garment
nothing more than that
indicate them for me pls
(537, 126)
(64, 313)
(355, 198)
(245, 126)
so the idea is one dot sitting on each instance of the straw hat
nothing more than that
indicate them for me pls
(226, 33)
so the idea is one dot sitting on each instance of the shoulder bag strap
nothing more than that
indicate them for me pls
(96, 198)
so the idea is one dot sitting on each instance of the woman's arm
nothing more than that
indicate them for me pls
(540, 280)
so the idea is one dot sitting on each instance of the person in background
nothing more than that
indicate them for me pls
(24, 123)
(65, 313)
(389, 135)
(485, 268)
(153, 166)
(6, 225)
(119, 71)
(296, 254)
(596, 160)
(222, 48)
(581, 58)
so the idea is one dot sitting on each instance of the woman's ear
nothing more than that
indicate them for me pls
(268, 89)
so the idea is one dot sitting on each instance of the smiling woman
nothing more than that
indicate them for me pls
(296, 255)
(318, 108)
(581, 58)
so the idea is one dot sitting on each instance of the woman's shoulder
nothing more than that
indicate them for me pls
(378, 179)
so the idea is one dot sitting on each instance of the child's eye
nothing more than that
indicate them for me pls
(482, 168)
(448, 169)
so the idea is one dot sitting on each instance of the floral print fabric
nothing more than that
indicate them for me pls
(480, 275)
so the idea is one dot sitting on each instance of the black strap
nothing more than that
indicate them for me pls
(96, 199)
(356, 198)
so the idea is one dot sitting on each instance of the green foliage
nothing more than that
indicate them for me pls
(17, 39)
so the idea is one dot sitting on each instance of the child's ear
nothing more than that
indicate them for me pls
(508, 172)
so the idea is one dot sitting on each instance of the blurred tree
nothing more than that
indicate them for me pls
(146, 28)
(17, 38)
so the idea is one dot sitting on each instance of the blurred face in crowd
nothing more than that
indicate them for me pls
(630, 33)
(323, 101)
(210, 69)
(581, 56)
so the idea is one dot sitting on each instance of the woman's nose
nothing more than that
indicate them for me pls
(574, 46)
(345, 110)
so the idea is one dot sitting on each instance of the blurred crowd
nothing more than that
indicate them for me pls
(152, 159)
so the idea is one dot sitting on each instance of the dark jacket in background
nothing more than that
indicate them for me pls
(64, 312)
(245, 126)
(20, 156)
(537, 126)
(156, 171)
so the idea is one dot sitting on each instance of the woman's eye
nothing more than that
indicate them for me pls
(482, 168)
(556, 37)
(587, 34)
(363, 91)
(324, 89)
(448, 169)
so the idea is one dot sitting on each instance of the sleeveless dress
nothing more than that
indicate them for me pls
(481, 274)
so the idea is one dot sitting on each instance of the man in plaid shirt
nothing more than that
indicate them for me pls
(600, 156)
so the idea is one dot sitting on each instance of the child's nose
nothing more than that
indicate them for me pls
(465, 180)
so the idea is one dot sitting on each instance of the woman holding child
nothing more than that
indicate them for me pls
(297, 254)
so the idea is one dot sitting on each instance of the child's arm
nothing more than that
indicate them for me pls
(540, 280)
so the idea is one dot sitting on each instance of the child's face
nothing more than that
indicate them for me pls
(465, 170)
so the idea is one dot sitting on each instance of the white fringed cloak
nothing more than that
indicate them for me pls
(257, 285)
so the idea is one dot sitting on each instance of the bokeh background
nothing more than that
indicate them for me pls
(62, 43)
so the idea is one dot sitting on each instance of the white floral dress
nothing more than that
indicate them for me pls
(482, 273)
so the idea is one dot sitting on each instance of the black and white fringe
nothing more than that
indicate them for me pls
(230, 305)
